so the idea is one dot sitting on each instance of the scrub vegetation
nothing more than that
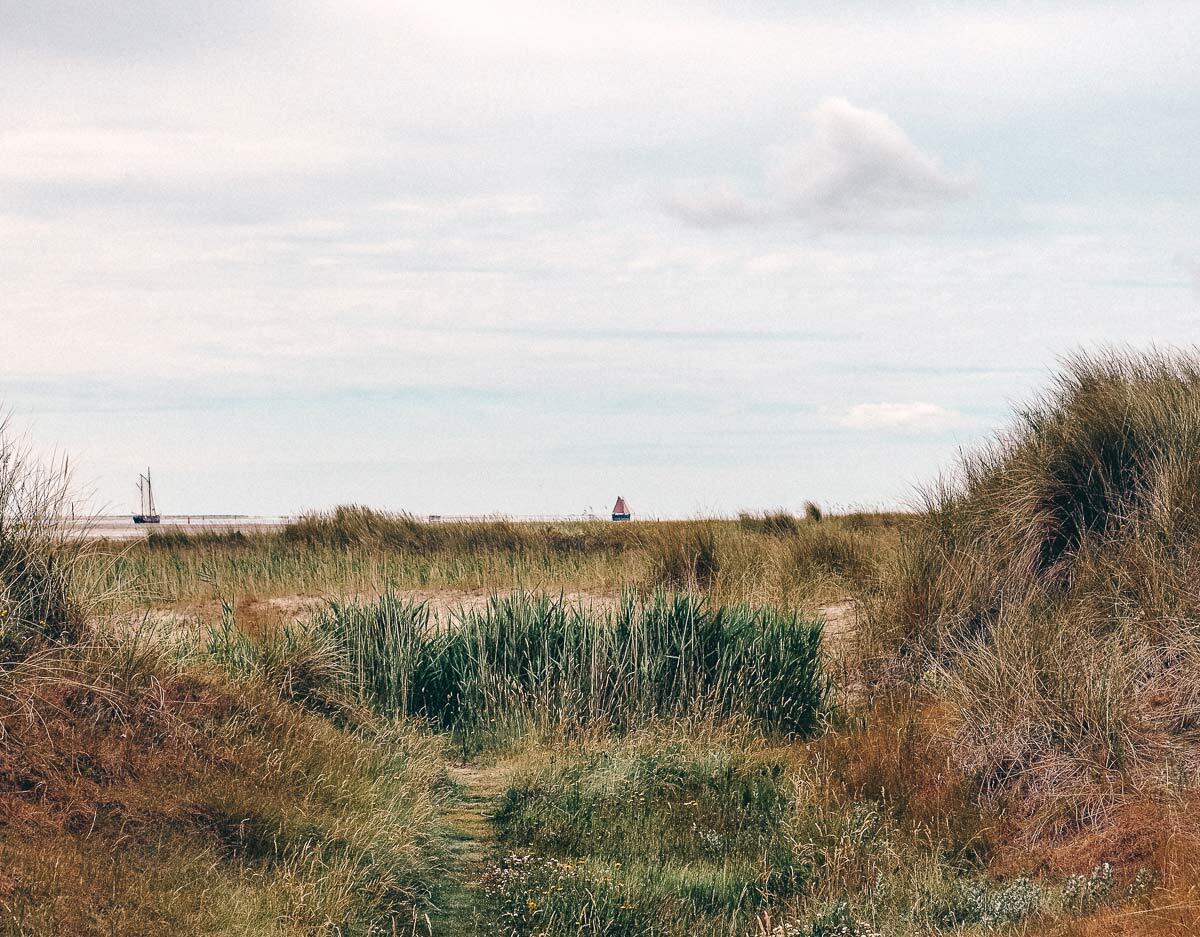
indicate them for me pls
(980, 717)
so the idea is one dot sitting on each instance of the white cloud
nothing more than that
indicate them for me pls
(860, 164)
(915, 416)
(857, 168)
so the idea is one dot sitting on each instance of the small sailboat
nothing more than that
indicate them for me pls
(149, 513)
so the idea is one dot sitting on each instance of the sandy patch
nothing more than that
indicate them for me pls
(255, 614)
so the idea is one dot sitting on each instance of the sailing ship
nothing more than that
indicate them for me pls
(149, 513)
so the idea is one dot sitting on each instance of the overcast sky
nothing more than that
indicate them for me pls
(467, 257)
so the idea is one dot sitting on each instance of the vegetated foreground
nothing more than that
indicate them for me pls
(629, 729)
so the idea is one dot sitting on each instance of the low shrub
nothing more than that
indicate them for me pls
(530, 895)
(663, 831)
(649, 798)
(977, 901)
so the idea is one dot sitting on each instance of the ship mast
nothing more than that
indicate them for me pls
(150, 493)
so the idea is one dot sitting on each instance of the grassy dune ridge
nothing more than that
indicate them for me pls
(1048, 592)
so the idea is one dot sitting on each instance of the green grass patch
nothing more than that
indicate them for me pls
(689, 830)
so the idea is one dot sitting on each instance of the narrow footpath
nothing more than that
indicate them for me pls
(470, 838)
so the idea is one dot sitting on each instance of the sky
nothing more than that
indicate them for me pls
(471, 257)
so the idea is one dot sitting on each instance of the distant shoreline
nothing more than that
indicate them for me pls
(122, 527)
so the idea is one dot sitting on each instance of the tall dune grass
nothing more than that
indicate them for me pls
(356, 525)
(43, 592)
(1049, 590)
(781, 523)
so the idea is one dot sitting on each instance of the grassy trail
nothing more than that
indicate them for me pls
(470, 839)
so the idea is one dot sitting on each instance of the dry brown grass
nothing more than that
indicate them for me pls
(896, 754)
(138, 796)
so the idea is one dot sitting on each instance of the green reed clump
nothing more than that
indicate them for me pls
(527, 658)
